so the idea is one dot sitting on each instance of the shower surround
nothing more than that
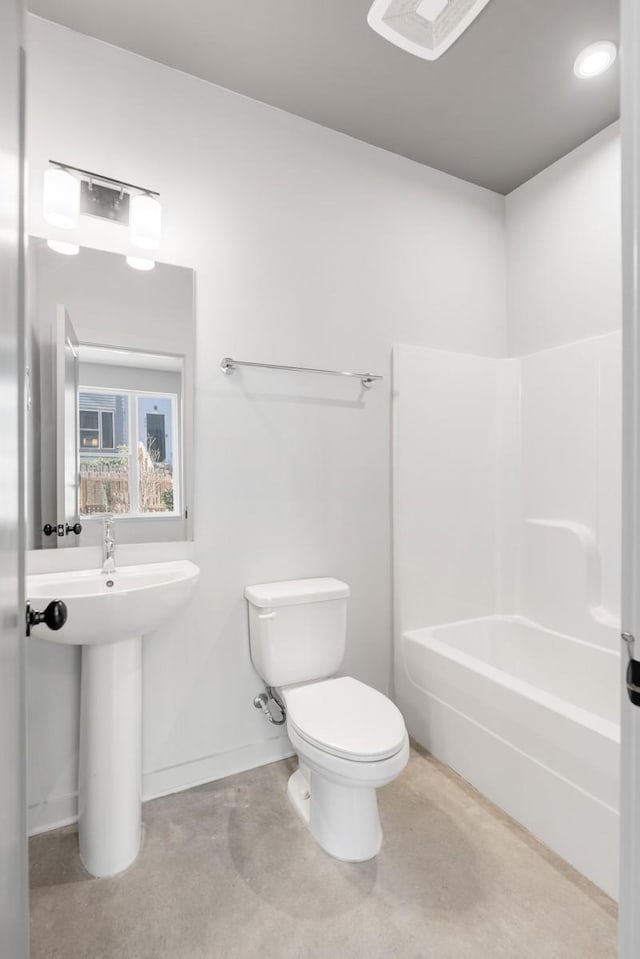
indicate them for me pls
(507, 572)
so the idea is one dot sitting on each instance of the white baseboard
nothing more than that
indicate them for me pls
(173, 779)
(52, 814)
(63, 810)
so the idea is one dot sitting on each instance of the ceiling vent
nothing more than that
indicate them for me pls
(425, 28)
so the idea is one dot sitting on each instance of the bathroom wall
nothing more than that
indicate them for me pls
(564, 286)
(309, 248)
(564, 249)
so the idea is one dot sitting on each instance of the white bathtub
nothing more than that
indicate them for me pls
(530, 718)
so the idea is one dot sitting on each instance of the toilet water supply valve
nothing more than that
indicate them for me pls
(265, 702)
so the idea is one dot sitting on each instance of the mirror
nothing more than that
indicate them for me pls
(110, 356)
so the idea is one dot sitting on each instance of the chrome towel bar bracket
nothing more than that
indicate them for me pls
(228, 365)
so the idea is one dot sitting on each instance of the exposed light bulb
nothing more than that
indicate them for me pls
(61, 198)
(140, 263)
(595, 59)
(61, 246)
(145, 221)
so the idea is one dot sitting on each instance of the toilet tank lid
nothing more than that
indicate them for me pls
(296, 591)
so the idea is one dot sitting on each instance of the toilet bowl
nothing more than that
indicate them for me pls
(350, 739)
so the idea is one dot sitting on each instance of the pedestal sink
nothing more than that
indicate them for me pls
(107, 616)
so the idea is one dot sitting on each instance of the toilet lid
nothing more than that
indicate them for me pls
(346, 718)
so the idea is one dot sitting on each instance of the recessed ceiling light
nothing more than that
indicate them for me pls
(61, 246)
(595, 59)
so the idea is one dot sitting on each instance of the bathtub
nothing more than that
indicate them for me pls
(531, 719)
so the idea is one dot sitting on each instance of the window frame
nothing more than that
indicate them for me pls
(100, 413)
(88, 429)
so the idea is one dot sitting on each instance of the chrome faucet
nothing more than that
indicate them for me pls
(108, 546)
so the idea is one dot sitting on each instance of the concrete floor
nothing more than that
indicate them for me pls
(227, 871)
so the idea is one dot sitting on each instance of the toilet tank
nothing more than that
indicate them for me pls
(297, 629)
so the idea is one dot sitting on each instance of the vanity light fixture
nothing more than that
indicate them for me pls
(595, 59)
(140, 263)
(70, 191)
(64, 247)
(61, 198)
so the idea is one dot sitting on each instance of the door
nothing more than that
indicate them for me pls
(13, 803)
(66, 399)
(156, 437)
(629, 937)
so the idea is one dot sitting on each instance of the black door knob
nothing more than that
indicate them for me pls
(76, 528)
(54, 616)
(633, 681)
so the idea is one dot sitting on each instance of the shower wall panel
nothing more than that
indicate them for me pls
(571, 460)
(455, 434)
(507, 487)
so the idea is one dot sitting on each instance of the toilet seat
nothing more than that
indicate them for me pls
(345, 718)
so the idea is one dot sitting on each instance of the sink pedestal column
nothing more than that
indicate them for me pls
(110, 787)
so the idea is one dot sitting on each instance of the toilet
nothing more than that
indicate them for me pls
(349, 738)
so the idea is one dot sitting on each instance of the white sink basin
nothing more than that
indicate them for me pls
(132, 601)
(108, 615)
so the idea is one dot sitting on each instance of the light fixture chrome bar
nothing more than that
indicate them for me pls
(103, 179)
(228, 365)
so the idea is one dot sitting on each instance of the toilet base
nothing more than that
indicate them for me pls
(343, 820)
(299, 794)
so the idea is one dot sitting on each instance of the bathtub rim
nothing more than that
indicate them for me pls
(604, 727)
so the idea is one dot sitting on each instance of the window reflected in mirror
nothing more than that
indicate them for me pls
(128, 457)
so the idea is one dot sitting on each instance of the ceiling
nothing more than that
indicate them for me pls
(500, 105)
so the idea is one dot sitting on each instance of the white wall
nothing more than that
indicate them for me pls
(309, 248)
(564, 249)
(564, 267)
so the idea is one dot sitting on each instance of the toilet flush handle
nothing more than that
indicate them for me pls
(269, 615)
